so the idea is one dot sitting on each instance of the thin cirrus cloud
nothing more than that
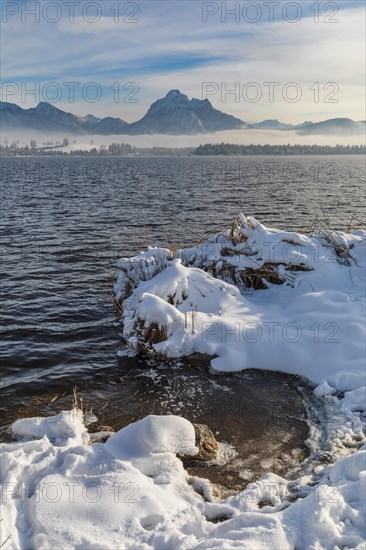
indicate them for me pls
(170, 47)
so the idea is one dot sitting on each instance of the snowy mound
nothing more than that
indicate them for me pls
(133, 492)
(254, 297)
(154, 434)
(62, 430)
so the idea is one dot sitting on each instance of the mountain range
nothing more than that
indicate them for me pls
(175, 114)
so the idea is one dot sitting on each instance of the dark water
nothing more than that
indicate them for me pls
(260, 416)
(65, 222)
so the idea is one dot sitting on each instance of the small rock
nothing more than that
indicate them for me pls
(96, 427)
(206, 443)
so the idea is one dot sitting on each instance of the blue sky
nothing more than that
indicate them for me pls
(172, 44)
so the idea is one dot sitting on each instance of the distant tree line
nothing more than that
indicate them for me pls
(47, 148)
(232, 149)
(117, 149)
(209, 149)
(165, 151)
(114, 149)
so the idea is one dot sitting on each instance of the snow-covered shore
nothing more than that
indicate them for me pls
(306, 316)
(59, 491)
(251, 297)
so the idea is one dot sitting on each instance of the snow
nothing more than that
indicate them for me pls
(60, 490)
(133, 492)
(312, 325)
(60, 430)
(154, 434)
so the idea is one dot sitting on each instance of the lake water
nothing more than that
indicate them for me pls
(66, 221)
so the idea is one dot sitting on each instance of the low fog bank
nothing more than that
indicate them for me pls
(240, 137)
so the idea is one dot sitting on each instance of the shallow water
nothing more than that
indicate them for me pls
(258, 418)
(64, 224)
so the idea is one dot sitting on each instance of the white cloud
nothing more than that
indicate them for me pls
(168, 32)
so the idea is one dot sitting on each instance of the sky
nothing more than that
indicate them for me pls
(293, 61)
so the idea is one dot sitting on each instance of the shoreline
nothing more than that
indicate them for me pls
(283, 446)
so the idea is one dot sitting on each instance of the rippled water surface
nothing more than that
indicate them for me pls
(65, 222)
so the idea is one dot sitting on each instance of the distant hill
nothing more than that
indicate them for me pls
(174, 114)
(109, 126)
(273, 124)
(48, 118)
(333, 126)
(43, 118)
(325, 128)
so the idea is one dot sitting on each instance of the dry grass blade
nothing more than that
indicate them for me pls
(78, 404)
(2, 544)
(5, 541)
(112, 298)
(155, 334)
(75, 404)
(358, 222)
(341, 250)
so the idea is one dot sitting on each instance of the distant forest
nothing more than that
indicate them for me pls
(114, 149)
(230, 149)
(209, 149)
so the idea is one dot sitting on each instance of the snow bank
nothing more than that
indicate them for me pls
(58, 491)
(133, 492)
(63, 429)
(254, 297)
(154, 434)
